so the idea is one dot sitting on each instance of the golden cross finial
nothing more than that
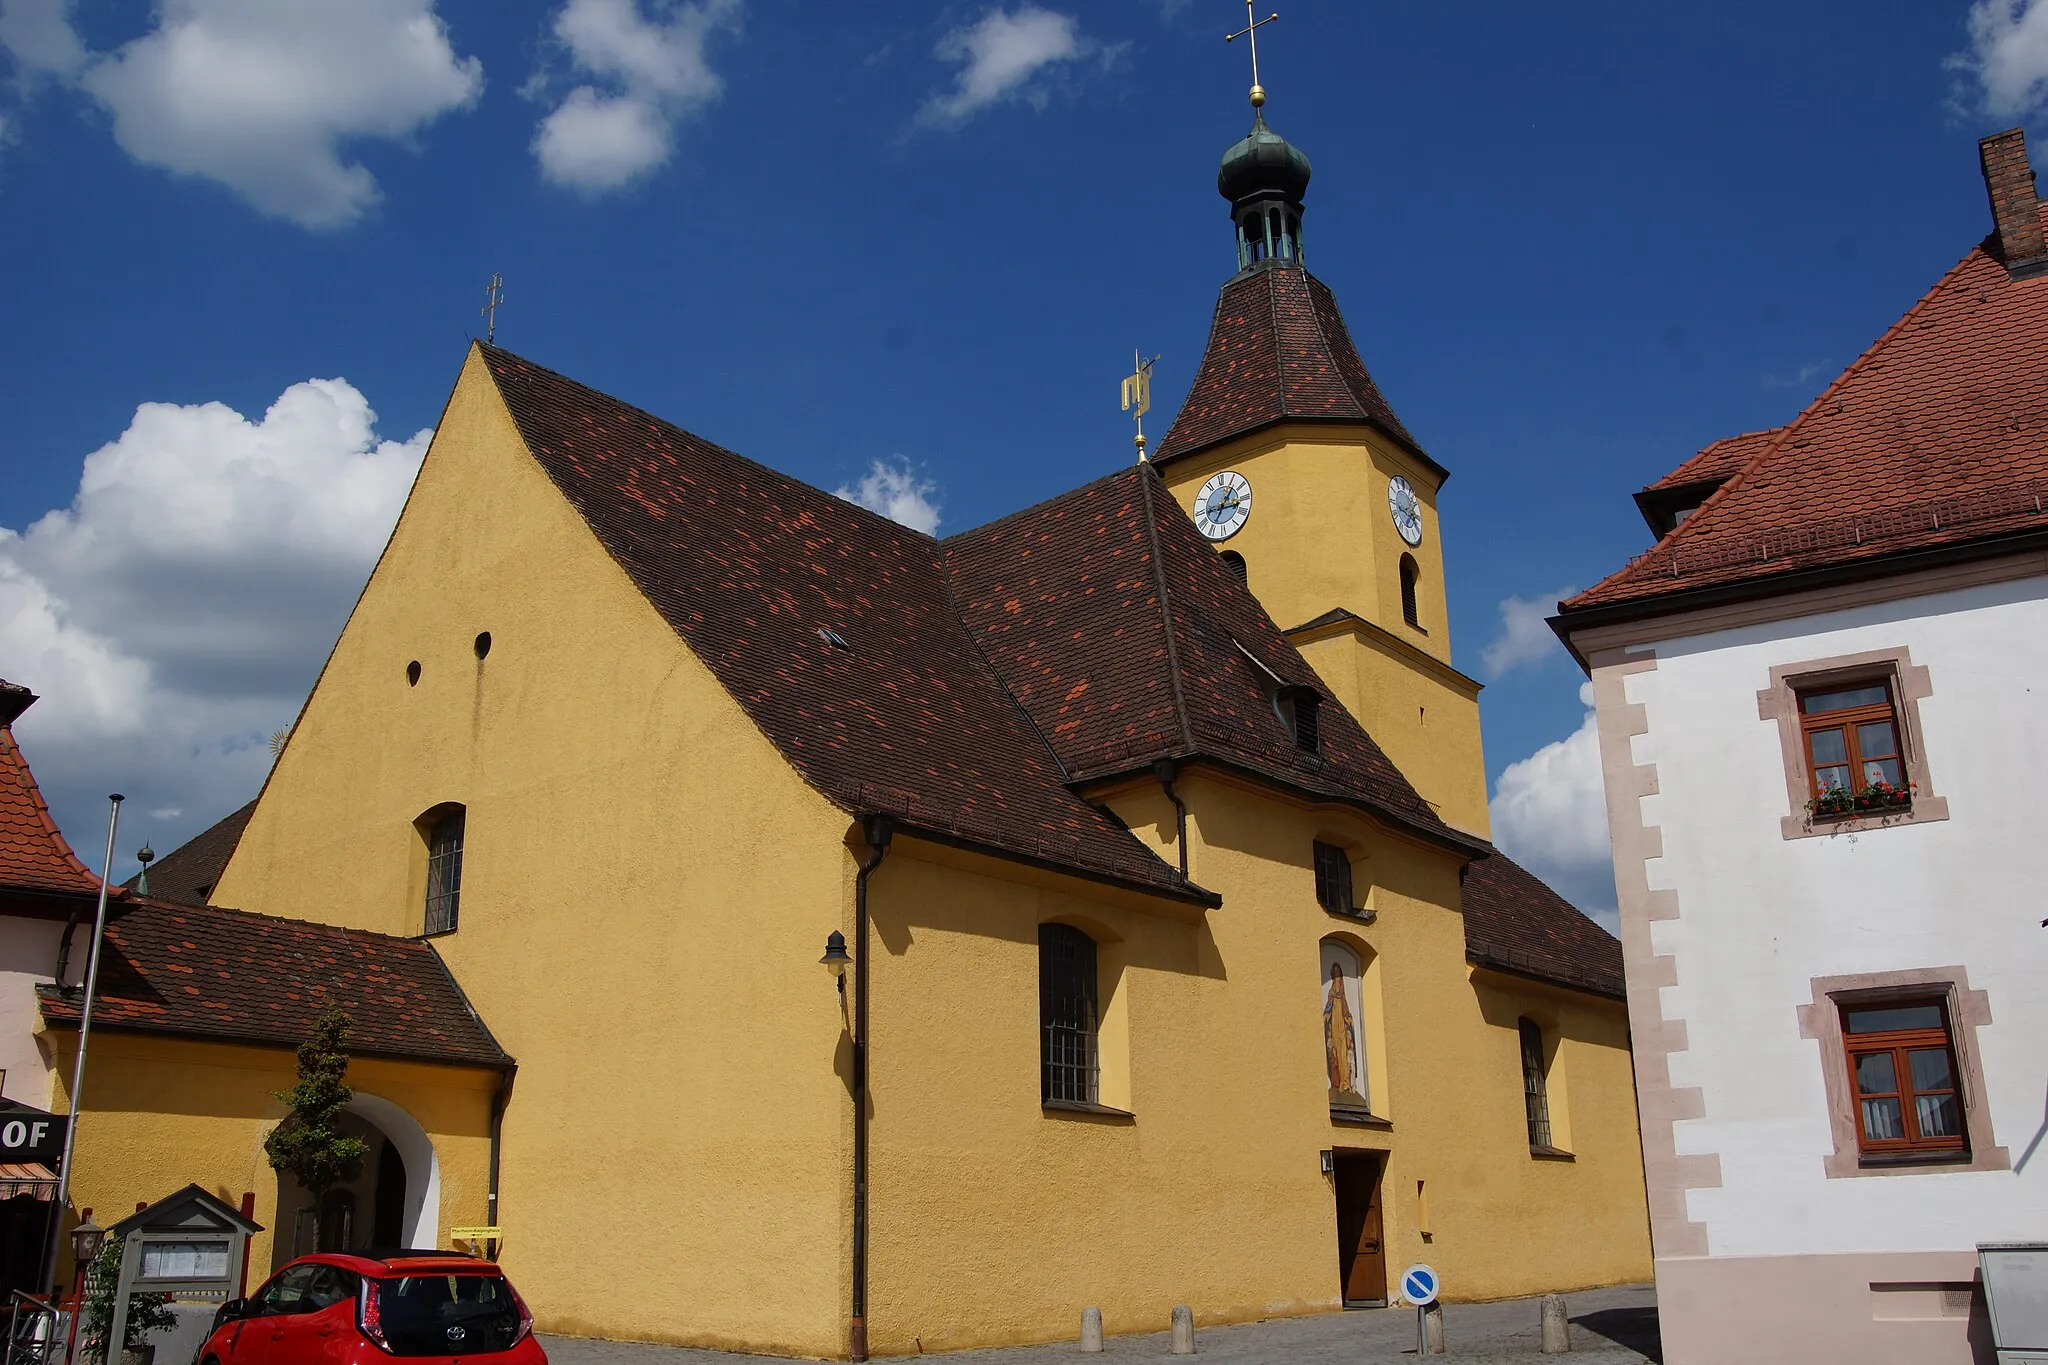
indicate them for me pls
(1251, 30)
(493, 296)
(1138, 394)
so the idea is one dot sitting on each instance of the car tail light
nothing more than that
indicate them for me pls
(525, 1328)
(370, 1315)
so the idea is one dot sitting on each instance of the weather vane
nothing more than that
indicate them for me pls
(493, 296)
(1138, 395)
(1251, 30)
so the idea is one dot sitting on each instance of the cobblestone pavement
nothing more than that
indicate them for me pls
(1609, 1327)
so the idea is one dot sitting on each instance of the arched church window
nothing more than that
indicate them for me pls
(1234, 562)
(1068, 1015)
(1344, 1042)
(1409, 573)
(444, 868)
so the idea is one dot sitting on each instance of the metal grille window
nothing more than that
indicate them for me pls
(1534, 1096)
(1333, 879)
(1067, 1015)
(444, 872)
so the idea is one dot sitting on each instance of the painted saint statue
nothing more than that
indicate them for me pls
(1340, 1034)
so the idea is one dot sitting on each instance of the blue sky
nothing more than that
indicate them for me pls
(1573, 243)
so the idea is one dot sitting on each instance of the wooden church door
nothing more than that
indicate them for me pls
(1361, 1250)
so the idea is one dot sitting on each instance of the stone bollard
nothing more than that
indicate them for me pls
(1433, 1328)
(1091, 1330)
(1557, 1332)
(1183, 1330)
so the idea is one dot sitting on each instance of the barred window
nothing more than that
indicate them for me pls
(1535, 1097)
(1333, 879)
(1068, 1066)
(444, 872)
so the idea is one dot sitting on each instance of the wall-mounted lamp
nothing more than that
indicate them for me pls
(1329, 1161)
(86, 1240)
(836, 959)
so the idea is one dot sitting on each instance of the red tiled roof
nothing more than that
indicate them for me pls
(1933, 439)
(34, 856)
(1718, 461)
(1119, 630)
(1278, 350)
(748, 565)
(207, 972)
(1515, 923)
(188, 873)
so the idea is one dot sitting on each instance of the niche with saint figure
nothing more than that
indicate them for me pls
(1344, 1027)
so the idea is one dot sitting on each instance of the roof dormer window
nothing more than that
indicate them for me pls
(1301, 711)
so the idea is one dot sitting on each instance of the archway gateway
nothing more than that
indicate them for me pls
(395, 1201)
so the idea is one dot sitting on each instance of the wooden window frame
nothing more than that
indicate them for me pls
(1899, 1043)
(1850, 720)
(1965, 1011)
(1335, 891)
(1908, 684)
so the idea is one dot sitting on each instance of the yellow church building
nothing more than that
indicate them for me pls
(1144, 830)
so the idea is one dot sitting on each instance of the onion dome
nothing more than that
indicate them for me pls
(1263, 163)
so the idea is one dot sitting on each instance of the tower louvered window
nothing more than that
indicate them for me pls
(1067, 1015)
(1409, 574)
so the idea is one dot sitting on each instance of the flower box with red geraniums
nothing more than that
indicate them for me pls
(1879, 797)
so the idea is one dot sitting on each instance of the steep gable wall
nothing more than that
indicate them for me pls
(628, 925)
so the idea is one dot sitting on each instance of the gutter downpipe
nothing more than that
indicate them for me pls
(877, 830)
(92, 976)
(1166, 769)
(499, 1102)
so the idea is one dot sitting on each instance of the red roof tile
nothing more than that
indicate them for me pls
(1278, 350)
(1718, 461)
(1122, 634)
(34, 856)
(1515, 923)
(748, 565)
(206, 972)
(188, 873)
(1936, 437)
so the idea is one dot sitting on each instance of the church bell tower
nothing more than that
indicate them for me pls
(1296, 468)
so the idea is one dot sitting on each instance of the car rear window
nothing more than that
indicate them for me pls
(444, 1315)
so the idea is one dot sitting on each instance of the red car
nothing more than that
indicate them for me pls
(354, 1309)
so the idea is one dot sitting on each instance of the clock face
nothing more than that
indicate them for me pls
(1224, 505)
(1407, 509)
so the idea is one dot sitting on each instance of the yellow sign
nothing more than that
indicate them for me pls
(477, 1234)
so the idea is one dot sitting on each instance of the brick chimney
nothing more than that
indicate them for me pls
(2014, 203)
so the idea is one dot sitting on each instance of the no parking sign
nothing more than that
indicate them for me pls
(1419, 1285)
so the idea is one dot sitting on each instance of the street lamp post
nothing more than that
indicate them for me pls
(86, 1241)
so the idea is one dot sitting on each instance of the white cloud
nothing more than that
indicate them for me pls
(1524, 637)
(1549, 814)
(2008, 58)
(896, 492)
(999, 56)
(39, 35)
(649, 74)
(175, 614)
(262, 96)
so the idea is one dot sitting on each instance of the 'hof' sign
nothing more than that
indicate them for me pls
(31, 1135)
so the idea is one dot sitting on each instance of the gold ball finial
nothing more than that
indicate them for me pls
(1258, 96)
(1141, 447)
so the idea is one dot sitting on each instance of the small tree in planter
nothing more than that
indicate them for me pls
(308, 1143)
(146, 1312)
